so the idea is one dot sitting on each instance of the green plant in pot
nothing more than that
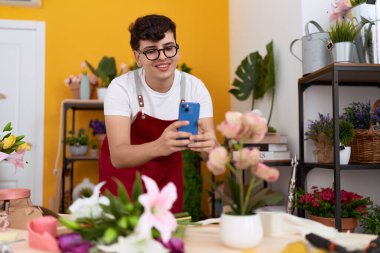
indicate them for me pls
(342, 35)
(346, 136)
(106, 70)
(78, 144)
(255, 77)
(371, 221)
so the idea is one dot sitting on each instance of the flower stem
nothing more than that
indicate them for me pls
(239, 178)
(250, 188)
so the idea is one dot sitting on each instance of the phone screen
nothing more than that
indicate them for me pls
(190, 112)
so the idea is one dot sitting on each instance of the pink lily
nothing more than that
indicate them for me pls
(342, 6)
(17, 159)
(157, 206)
(3, 156)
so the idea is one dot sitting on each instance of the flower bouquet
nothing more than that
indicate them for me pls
(12, 148)
(142, 223)
(242, 199)
(74, 82)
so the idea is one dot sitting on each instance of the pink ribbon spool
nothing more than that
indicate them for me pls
(16, 193)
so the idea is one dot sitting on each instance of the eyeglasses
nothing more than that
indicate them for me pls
(154, 54)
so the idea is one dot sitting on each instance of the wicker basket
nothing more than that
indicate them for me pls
(366, 144)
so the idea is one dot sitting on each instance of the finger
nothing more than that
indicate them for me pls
(178, 124)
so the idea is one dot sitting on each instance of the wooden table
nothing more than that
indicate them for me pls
(206, 239)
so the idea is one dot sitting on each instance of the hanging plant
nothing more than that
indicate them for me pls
(255, 76)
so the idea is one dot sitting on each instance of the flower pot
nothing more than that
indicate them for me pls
(345, 155)
(101, 92)
(343, 52)
(241, 231)
(80, 150)
(74, 87)
(348, 224)
(94, 152)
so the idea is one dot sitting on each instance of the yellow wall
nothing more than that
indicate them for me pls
(88, 29)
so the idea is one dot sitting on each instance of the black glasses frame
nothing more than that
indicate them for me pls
(159, 52)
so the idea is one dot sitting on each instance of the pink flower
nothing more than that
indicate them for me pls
(3, 156)
(232, 125)
(218, 157)
(92, 78)
(266, 173)
(256, 126)
(157, 209)
(17, 159)
(342, 6)
(246, 157)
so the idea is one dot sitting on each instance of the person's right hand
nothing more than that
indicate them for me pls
(172, 140)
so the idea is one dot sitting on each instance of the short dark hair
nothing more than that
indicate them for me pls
(150, 27)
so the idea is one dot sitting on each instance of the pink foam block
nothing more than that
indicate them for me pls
(42, 232)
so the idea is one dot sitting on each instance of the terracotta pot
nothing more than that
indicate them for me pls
(348, 224)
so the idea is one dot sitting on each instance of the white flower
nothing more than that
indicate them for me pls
(135, 243)
(89, 207)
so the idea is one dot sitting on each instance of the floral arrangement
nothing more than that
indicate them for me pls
(319, 126)
(106, 70)
(79, 140)
(236, 127)
(359, 114)
(340, 9)
(321, 202)
(97, 126)
(142, 223)
(371, 221)
(12, 148)
(76, 79)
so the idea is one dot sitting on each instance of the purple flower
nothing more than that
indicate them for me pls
(97, 126)
(175, 245)
(73, 243)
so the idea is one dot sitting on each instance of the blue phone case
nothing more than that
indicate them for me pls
(190, 112)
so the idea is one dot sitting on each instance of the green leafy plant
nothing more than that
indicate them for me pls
(344, 31)
(106, 70)
(255, 77)
(371, 221)
(93, 144)
(357, 2)
(321, 202)
(346, 132)
(79, 140)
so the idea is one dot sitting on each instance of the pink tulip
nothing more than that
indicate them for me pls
(257, 126)
(157, 205)
(265, 172)
(246, 157)
(217, 160)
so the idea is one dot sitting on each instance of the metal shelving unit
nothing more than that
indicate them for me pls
(67, 161)
(334, 75)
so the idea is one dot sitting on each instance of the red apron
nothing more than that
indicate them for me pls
(162, 169)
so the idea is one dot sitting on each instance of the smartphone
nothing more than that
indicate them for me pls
(190, 112)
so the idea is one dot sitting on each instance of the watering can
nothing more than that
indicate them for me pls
(315, 54)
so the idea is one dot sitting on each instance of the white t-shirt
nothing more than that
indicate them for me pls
(121, 98)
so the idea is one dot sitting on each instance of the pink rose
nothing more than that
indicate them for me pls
(232, 125)
(217, 160)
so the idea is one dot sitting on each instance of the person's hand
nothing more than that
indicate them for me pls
(172, 140)
(204, 141)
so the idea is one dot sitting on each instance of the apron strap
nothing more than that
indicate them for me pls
(139, 93)
(183, 87)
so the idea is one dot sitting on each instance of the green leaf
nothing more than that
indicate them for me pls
(8, 127)
(137, 188)
(122, 192)
(69, 223)
(20, 137)
(92, 69)
(235, 193)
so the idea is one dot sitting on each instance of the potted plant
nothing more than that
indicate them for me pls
(346, 136)
(320, 206)
(370, 222)
(236, 224)
(106, 72)
(78, 144)
(342, 35)
(319, 132)
(93, 144)
(98, 129)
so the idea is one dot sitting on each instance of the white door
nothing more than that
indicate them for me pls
(22, 64)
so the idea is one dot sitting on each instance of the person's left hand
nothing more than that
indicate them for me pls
(205, 140)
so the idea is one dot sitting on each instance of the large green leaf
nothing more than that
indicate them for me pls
(255, 75)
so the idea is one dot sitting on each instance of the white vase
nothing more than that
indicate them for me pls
(101, 92)
(241, 231)
(345, 155)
